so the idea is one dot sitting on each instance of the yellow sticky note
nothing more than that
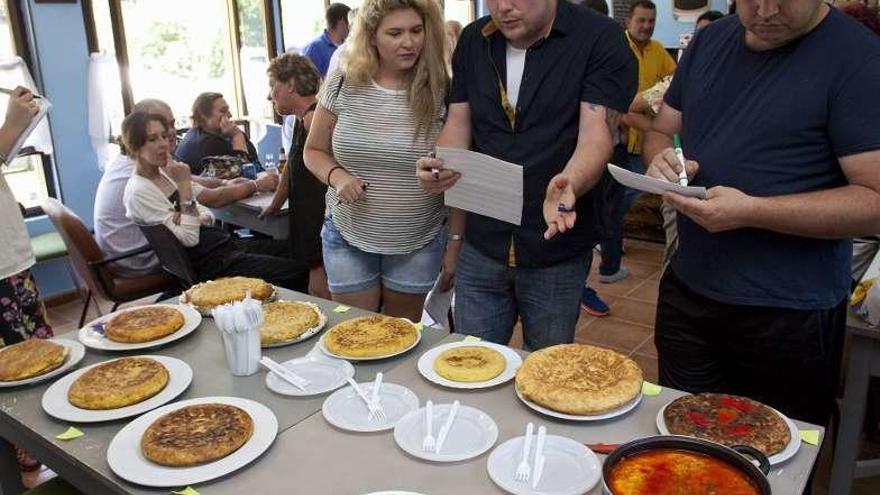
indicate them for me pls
(471, 338)
(420, 326)
(650, 389)
(186, 491)
(341, 308)
(70, 434)
(810, 436)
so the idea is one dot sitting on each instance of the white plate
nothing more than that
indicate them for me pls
(426, 365)
(372, 358)
(794, 443)
(55, 401)
(629, 406)
(75, 353)
(324, 373)
(473, 432)
(322, 320)
(570, 468)
(92, 335)
(345, 409)
(184, 301)
(126, 460)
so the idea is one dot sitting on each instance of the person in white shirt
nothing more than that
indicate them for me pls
(161, 191)
(21, 310)
(117, 234)
(22, 315)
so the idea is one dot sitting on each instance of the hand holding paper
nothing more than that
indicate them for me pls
(724, 208)
(433, 177)
(22, 116)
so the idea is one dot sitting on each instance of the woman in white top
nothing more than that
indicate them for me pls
(161, 191)
(21, 311)
(383, 238)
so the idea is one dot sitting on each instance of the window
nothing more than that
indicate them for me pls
(176, 49)
(459, 10)
(303, 20)
(29, 174)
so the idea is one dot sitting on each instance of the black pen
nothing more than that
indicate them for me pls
(435, 172)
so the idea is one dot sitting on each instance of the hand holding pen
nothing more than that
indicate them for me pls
(679, 153)
(670, 165)
(350, 189)
(433, 178)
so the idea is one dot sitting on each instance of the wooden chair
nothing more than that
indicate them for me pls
(92, 267)
(171, 253)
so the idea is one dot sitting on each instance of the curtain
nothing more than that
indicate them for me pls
(105, 105)
(14, 72)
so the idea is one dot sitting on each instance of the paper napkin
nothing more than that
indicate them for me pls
(70, 434)
(650, 390)
(810, 436)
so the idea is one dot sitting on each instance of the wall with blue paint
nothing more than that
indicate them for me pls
(60, 42)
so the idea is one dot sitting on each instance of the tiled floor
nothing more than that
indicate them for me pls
(628, 329)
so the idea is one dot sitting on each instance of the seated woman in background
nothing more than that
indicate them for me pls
(161, 191)
(384, 237)
(213, 134)
(116, 234)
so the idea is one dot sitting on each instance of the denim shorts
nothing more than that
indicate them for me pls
(351, 270)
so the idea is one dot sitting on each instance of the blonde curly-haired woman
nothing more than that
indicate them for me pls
(383, 237)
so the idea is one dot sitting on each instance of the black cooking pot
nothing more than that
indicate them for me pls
(732, 456)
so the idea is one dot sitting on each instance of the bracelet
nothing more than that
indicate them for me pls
(454, 237)
(334, 169)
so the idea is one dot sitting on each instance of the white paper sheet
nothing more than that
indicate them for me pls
(488, 186)
(44, 105)
(652, 185)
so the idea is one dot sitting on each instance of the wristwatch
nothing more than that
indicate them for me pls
(188, 204)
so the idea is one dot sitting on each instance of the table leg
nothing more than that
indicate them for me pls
(852, 414)
(10, 476)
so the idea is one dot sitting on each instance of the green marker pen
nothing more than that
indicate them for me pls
(682, 174)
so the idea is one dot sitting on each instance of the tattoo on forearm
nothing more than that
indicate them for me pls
(612, 117)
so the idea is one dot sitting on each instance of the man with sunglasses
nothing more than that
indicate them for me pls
(539, 83)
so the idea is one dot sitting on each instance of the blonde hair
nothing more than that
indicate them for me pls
(427, 80)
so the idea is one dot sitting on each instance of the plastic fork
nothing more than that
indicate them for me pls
(370, 406)
(375, 399)
(428, 443)
(523, 471)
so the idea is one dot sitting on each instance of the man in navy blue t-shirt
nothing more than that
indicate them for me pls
(777, 109)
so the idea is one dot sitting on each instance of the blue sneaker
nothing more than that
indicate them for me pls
(592, 304)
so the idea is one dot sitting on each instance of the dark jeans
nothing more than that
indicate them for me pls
(786, 358)
(267, 259)
(612, 249)
(489, 295)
